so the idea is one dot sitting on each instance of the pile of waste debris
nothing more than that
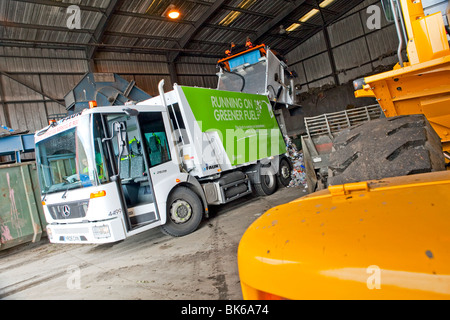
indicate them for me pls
(298, 174)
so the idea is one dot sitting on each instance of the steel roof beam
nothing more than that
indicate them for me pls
(65, 45)
(189, 35)
(329, 47)
(265, 29)
(152, 17)
(11, 24)
(62, 5)
(140, 35)
(101, 27)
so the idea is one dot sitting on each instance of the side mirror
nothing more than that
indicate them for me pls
(131, 112)
(122, 142)
(120, 130)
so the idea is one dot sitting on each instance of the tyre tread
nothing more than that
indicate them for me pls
(383, 148)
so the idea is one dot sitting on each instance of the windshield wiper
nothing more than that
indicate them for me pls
(40, 133)
(64, 194)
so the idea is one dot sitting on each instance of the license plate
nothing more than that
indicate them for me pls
(71, 238)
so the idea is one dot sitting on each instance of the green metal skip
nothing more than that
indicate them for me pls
(21, 215)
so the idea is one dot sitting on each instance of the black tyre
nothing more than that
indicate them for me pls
(268, 183)
(383, 148)
(284, 172)
(184, 213)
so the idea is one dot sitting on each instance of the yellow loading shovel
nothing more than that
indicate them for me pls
(385, 239)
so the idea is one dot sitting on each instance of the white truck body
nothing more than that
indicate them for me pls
(111, 172)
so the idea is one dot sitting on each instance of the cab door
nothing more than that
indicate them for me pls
(131, 162)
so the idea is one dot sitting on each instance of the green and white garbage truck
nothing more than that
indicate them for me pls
(108, 173)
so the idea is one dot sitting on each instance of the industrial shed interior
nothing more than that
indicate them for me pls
(327, 43)
(255, 149)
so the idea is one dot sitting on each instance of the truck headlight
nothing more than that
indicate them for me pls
(49, 233)
(101, 231)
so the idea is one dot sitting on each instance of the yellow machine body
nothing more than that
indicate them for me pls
(385, 239)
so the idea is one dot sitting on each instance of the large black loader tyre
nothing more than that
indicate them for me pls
(386, 147)
(184, 212)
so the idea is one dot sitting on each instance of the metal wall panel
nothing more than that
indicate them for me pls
(310, 47)
(356, 50)
(58, 85)
(124, 67)
(383, 42)
(317, 67)
(24, 116)
(345, 30)
(150, 83)
(196, 68)
(31, 72)
(352, 54)
(362, 6)
(328, 81)
(191, 81)
(14, 91)
(210, 81)
(352, 74)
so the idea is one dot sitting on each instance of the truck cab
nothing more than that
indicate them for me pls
(86, 158)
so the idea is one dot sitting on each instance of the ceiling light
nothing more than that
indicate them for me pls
(325, 3)
(233, 15)
(293, 26)
(230, 18)
(309, 15)
(172, 12)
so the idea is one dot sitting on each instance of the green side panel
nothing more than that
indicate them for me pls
(245, 122)
(19, 211)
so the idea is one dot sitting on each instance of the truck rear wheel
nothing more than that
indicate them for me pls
(268, 183)
(383, 148)
(284, 172)
(184, 213)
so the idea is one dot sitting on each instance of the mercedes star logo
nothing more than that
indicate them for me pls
(66, 211)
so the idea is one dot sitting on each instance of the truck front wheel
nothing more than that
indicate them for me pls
(184, 213)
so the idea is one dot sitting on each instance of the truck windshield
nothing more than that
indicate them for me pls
(63, 160)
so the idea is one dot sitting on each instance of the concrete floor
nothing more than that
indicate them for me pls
(150, 265)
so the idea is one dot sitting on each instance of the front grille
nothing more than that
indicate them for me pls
(69, 210)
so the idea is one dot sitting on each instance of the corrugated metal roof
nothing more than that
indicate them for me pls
(132, 38)
(205, 27)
